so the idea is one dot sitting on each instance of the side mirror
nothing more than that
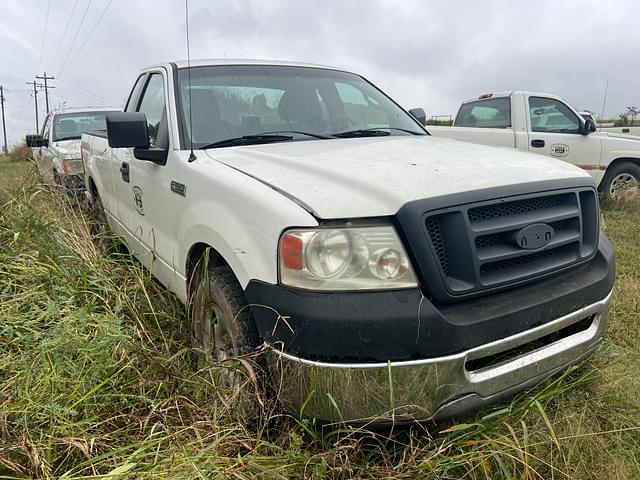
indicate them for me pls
(589, 126)
(418, 114)
(127, 129)
(36, 141)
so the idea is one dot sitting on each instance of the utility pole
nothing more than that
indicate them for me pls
(35, 99)
(46, 88)
(4, 123)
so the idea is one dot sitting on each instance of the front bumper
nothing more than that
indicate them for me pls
(436, 388)
(72, 181)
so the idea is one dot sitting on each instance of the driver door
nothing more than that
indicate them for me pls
(555, 131)
(146, 203)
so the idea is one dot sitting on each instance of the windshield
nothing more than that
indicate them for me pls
(68, 126)
(235, 101)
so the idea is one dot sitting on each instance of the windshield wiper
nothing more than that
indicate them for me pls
(249, 140)
(373, 132)
(299, 132)
(264, 137)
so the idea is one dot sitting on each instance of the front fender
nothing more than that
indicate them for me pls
(242, 220)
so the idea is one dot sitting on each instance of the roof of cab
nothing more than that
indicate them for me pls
(231, 61)
(489, 95)
(58, 111)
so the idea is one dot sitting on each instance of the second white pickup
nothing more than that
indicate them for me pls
(547, 124)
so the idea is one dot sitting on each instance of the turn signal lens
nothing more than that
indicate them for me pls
(291, 252)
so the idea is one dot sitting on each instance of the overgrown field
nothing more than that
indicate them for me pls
(97, 380)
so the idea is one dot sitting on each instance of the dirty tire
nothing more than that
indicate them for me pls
(221, 330)
(99, 226)
(621, 180)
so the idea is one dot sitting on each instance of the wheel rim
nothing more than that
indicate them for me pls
(217, 345)
(623, 184)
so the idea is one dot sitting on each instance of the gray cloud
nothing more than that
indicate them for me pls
(430, 54)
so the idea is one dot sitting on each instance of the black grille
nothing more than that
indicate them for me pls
(476, 246)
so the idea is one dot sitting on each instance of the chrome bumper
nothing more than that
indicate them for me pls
(431, 388)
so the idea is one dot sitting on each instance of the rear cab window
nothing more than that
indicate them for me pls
(489, 113)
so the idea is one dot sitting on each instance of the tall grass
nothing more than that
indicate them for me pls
(97, 380)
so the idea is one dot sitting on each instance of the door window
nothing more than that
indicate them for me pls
(550, 115)
(135, 94)
(152, 105)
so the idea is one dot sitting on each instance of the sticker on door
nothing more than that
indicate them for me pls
(137, 200)
(559, 150)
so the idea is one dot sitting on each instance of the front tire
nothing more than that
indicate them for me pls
(223, 334)
(622, 180)
(99, 227)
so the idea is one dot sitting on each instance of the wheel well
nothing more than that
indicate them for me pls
(93, 190)
(195, 256)
(618, 161)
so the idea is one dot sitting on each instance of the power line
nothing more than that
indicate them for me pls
(75, 38)
(84, 91)
(35, 99)
(92, 30)
(44, 35)
(4, 122)
(64, 34)
(46, 87)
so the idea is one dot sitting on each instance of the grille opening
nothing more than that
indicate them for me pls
(503, 357)
(518, 267)
(479, 214)
(437, 240)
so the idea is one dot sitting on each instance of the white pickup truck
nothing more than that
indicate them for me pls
(546, 124)
(390, 275)
(56, 149)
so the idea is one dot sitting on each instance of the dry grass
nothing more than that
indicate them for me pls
(96, 380)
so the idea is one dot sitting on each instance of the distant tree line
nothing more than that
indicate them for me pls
(628, 117)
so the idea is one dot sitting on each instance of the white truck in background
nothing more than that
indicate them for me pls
(56, 149)
(547, 124)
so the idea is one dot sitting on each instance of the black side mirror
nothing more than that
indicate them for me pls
(127, 129)
(418, 114)
(588, 127)
(35, 141)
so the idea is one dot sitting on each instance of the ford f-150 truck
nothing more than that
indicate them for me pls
(390, 275)
(546, 124)
(56, 150)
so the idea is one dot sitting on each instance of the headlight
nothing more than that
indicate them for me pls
(358, 258)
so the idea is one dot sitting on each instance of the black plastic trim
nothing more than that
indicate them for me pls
(404, 325)
(410, 226)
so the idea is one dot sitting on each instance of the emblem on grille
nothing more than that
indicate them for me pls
(534, 236)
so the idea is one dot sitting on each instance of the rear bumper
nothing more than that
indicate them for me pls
(441, 387)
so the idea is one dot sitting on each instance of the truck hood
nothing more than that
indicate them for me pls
(66, 148)
(367, 177)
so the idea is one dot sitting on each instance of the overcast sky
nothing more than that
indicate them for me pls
(423, 53)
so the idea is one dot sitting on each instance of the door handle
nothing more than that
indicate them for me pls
(124, 171)
(537, 143)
